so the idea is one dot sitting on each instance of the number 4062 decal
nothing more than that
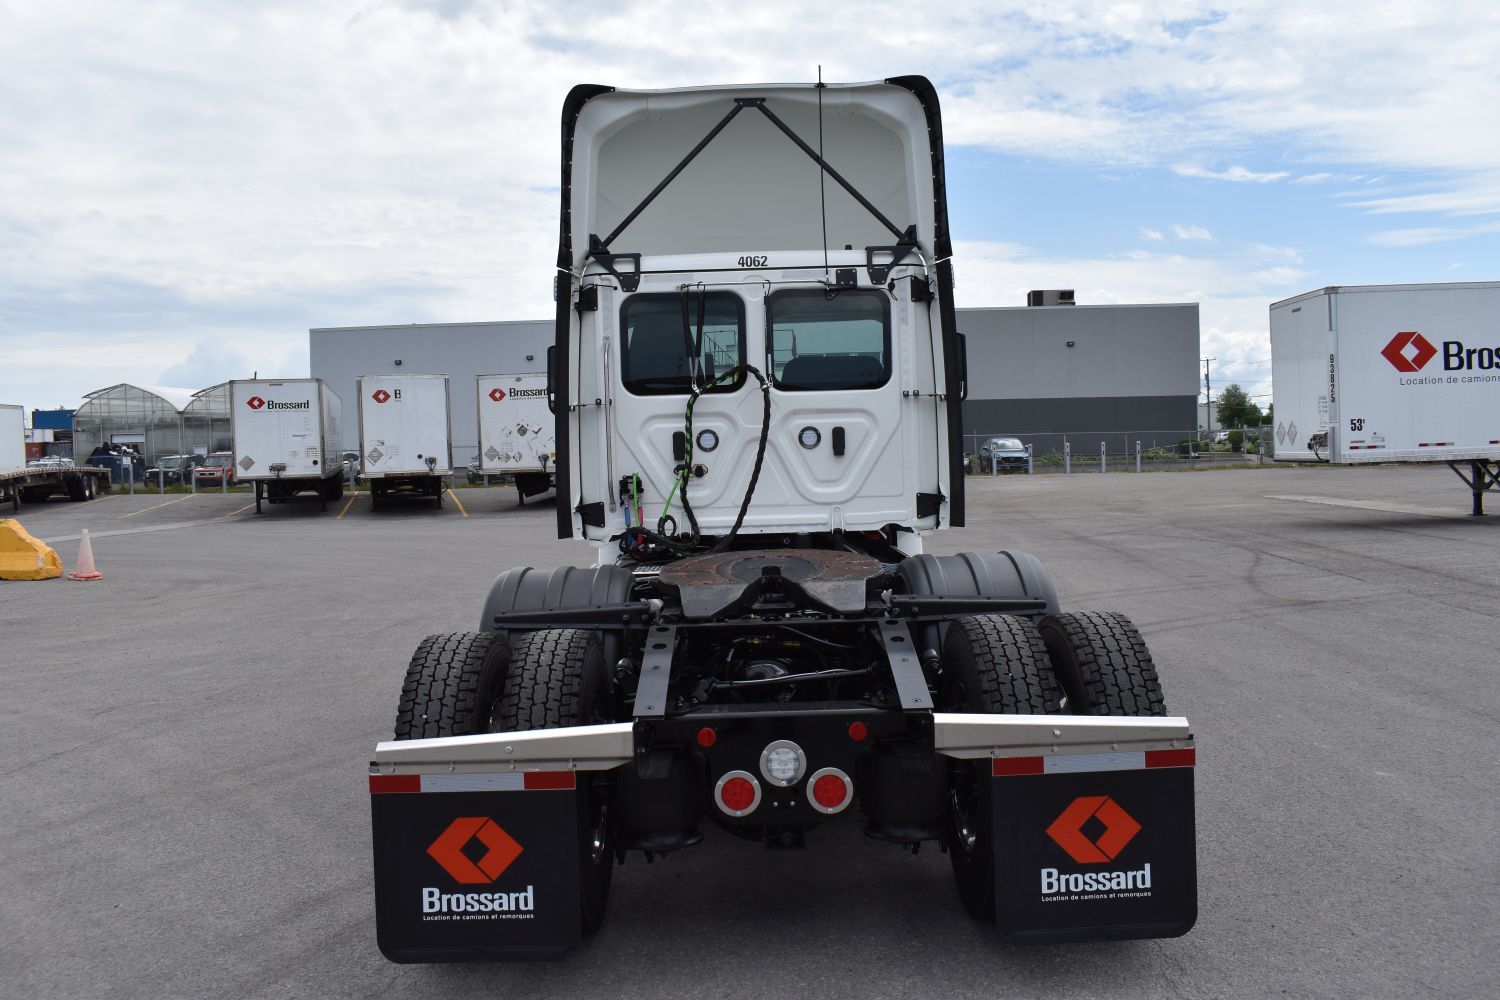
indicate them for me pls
(752, 261)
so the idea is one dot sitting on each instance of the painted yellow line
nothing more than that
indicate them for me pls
(240, 511)
(347, 506)
(156, 506)
(458, 505)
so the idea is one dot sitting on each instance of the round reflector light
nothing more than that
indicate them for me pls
(737, 793)
(783, 763)
(858, 731)
(830, 791)
(707, 737)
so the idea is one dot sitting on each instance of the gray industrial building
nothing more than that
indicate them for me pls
(1112, 373)
(1116, 373)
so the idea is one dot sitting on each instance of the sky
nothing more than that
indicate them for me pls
(187, 188)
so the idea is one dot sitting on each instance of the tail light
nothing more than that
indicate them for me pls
(830, 791)
(737, 793)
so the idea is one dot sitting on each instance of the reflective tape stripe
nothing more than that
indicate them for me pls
(1172, 758)
(1074, 763)
(389, 783)
(1083, 763)
(512, 781)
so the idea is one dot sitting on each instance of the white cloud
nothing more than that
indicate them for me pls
(1191, 232)
(1234, 290)
(1424, 235)
(1151, 234)
(1312, 178)
(177, 172)
(1236, 173)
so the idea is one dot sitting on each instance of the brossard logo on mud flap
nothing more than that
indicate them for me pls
(1117, 828)
(453, 850)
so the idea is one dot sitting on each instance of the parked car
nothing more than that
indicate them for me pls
(475, 476)
(217, 470)
(352, 465)
(1008, 453)
(172, 469)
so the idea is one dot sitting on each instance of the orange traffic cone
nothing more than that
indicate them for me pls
(86, 569)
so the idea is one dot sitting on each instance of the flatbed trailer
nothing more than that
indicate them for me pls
(38, 482)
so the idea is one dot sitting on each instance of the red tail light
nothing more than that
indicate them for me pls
(737, 793)
(830, 791)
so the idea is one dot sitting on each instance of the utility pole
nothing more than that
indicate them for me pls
(1208, 423)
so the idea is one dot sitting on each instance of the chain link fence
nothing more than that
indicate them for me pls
(1119, 451)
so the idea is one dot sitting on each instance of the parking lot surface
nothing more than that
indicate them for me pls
(185, 746)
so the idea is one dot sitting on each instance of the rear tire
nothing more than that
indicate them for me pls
(453, 685)
(559, 679)
(1102, 664)
(994, 664)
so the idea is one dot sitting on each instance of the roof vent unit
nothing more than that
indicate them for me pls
(1050, 297)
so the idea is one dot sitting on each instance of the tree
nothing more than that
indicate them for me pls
(1236, 408)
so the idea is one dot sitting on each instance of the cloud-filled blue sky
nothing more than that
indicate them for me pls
(186, 188)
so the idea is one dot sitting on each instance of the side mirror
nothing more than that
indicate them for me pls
(551, 381)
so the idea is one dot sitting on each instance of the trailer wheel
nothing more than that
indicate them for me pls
(559, 679)
(1102, 664)
(995, 664)
(453, 685)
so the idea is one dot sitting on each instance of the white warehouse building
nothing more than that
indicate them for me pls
(1042, 373)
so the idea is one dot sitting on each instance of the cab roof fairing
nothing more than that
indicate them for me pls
(750, 189)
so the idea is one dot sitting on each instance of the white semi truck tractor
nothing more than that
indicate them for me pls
(756, 384)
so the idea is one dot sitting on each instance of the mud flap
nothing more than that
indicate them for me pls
(1095, 846)
(475, 867)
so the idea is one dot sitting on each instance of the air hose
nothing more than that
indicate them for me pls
(685, 470)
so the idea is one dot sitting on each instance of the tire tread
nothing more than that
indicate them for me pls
(1115, 669)
(441, 693)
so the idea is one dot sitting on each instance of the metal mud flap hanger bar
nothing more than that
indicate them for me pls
(906, 239)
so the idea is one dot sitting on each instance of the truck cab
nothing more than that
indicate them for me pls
(763, 275)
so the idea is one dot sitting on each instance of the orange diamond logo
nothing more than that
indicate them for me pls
(449, 850)
(1120, 829)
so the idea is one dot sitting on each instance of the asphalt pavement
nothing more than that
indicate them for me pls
(184, 748)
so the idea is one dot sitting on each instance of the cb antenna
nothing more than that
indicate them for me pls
(822, 178)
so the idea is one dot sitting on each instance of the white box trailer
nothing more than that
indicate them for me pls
(286, 437)
(1390, 373)
(12, 437)
(405, 435)
(517, 435)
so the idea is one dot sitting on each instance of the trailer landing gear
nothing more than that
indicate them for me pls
(1483, 477)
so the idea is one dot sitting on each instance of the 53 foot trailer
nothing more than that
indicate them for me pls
(756, 441)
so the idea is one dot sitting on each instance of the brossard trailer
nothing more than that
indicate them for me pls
(32, 484)
(757, 425)
(286, 435)
(405, 436)
(1391, 373)
(516, 433)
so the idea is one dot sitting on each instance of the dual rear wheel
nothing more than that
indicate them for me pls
(464, 683)
(1084, 663)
